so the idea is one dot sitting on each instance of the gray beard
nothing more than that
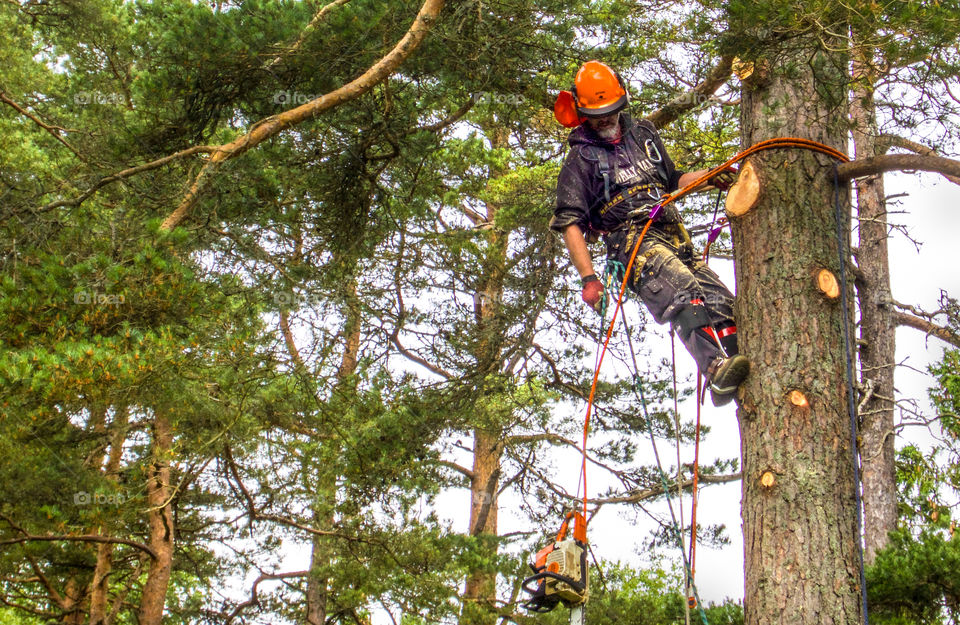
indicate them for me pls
(609, 134)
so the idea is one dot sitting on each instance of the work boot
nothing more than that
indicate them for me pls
(724, 376)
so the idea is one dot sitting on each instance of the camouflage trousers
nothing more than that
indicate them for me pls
(679, 289)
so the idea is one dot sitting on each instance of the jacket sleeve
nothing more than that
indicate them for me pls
(573, 205)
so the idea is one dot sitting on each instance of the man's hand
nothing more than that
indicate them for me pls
(725, 179)
(592, 292)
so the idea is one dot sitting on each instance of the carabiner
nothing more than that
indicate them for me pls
(647, 146)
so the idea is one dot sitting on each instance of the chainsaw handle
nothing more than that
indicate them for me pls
(578, 586)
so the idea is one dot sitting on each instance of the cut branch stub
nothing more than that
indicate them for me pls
(768, 479)
(798, 399)
(828, 284)
(745, 193)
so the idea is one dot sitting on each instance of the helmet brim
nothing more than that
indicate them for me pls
(603, 111)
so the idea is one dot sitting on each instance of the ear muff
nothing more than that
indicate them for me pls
(565, 110)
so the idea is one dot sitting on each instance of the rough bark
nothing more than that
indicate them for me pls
(877, 327)
(800, 533)
(160, 524)
(74, 596)
(101, 573)
(480, 591)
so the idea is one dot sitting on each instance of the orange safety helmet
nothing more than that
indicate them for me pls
(599, 91)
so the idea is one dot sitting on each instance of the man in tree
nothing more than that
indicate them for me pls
(615, 173)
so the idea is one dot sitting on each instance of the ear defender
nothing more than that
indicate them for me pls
(565, 109)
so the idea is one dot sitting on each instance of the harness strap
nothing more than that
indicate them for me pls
(604, 164)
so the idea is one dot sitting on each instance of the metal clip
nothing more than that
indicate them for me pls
(649, 145)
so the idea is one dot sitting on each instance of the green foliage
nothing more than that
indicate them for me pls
(643, 596)
(914, 580)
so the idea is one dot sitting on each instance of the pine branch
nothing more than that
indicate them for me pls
(657, 491)
(309, 28)
(456, 467)
(927, 327)
(897, 162)
(83, 538)
(913, 146)
(53, 130)
(126, 173)
(273, 125)
(254, 597)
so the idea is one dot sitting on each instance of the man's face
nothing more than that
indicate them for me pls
(607, 127)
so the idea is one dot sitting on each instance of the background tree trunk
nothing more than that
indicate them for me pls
(99, 585)
(322, 553)
(481, 587)
(800, 533)
(480, 592)
(877, 329)
(160, 521)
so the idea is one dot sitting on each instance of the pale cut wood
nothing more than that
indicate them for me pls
(827, 283)
(798, 399)
(745, 193)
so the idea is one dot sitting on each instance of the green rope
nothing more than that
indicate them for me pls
(612, 276)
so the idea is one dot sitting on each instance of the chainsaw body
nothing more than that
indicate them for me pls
(559, 572)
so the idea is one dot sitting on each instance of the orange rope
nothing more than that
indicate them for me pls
(769, 144)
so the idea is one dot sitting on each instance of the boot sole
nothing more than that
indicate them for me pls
(728, 378)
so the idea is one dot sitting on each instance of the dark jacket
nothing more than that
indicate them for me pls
(632, 161)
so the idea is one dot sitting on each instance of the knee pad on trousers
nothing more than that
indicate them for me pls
(692, 317)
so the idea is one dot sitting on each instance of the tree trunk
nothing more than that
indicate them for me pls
(877, 329)
(799, 515)
(321, 553)
(160, 523)
(481, 587)
(74, 596)
(480, 593)
(99, 585)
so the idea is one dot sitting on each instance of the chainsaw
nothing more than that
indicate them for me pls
(560, 570)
